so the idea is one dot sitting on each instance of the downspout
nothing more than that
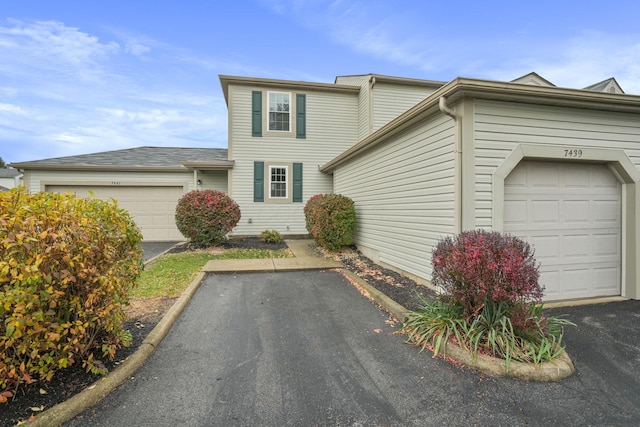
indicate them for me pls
(442, 104)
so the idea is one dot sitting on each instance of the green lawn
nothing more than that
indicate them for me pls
(170, 274)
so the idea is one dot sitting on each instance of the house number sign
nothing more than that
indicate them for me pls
(574, 153)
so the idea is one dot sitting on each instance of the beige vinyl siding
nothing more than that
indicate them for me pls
(364, 100)
(404, 194)
(331, 128)
(214, 180)
(390, 100)
(501, 126)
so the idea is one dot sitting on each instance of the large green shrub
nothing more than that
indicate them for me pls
(331, 220)
(206, 216)
(66, 267)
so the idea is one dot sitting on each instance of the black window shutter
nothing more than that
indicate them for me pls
(258, 181)
(297, 182)
(256, 113)
(301, 116)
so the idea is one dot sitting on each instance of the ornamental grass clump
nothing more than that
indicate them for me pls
(67, 266)
(206, 216)
(331, 220)
(490, 301)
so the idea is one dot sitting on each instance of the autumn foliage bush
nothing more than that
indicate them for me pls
(206, 216)
(66, 267)
(331, 220)
(477, 267)
(490, 301)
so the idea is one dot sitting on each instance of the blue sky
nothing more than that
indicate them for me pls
(87, 76)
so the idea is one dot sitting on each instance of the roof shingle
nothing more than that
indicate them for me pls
(156, 157)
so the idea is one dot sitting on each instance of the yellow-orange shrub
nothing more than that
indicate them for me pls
(66, 267)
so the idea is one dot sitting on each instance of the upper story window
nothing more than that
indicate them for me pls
(279, 111)
(279, 114)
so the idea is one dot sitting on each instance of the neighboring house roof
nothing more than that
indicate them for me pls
(9, 173)
(139, 158)
(609, 85)
(533, 78)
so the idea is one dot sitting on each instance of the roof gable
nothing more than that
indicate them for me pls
(609, 85)
(534, 79)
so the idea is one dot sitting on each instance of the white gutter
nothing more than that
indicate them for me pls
(445, 109)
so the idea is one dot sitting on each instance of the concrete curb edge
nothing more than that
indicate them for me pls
(561, 367)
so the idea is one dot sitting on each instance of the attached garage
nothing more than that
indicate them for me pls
(152, 207)
(146, 181)
(558, 167)
(571, 214)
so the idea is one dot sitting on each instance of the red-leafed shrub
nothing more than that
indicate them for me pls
(66, 268)
(490, 301)
(479, 266)
(331, 220)
(206, 216)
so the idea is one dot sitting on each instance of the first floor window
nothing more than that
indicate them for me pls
(278, 182)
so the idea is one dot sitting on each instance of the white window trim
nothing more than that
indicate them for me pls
(290, 111)
(286, 182)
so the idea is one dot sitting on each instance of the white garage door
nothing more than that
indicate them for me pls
(570, 213)
(153, 208)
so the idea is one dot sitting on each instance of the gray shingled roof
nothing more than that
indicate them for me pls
(9, 173)
(137, 157)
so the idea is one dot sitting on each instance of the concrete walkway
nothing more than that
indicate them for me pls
(304, 259)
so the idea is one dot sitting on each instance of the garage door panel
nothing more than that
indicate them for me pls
(551, 283)
(571, 214)
(576, 211)
(576, 280)
(152, 207)
(546, 247)
(607, 279)
(603, 178)
(575, 246)
(574, 178)
(606, 211)
(545, 211)
(549, 178)
(515, 211)
(607, 245)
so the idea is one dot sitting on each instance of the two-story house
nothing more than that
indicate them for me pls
(421, 159)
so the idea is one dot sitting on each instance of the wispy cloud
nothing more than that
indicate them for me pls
(415, 38)
(51, 46)
(11, 109)
(67, 92)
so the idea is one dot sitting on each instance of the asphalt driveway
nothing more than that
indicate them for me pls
(305, 348)
(153, 249)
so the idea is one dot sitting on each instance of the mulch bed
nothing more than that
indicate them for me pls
(66, 383)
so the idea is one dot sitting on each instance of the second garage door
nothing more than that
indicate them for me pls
(571, 214)
(152, 207)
